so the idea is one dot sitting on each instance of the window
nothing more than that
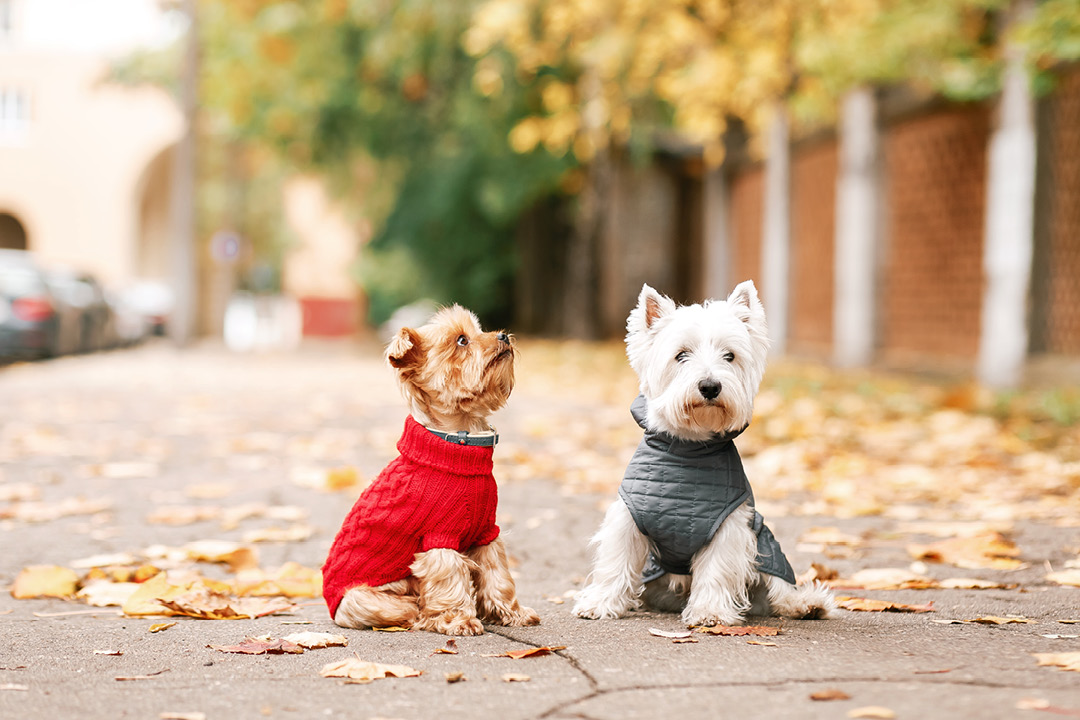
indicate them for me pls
(7, 19)
(14, 113)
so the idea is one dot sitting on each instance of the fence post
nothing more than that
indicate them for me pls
(1008, 245)
(857, 224)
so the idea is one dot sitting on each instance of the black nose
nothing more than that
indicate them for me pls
(709, 390)
(502, 337)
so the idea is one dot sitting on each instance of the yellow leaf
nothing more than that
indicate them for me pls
(1065, 661)
(160, 627)
(990, 550)
(104, 594)
(39, 581)
(361, 671)
(872, 711)
(1065, 577)
(515, 677)
(145, 600)
(233, 554)
(995, 620)
(868, 605)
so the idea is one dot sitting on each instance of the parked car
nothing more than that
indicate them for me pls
(29, 321)
(83, 306)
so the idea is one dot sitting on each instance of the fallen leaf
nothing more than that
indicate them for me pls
(147, 676)
(109, 652)
(295, 533)
(39, 581)
(341, 478)
(816, 571)
(680, 634)
(313, 640)
(206, 604)
(829, 694)
(176, 515)
(358, 670)
(974, 584)
(990, 550)
(454, 677)
(869, 605)
(105, 560)
(829, 536)
(260, 646)
(290, 580)
(681, 640)
(760, 630)
(872, 711)
(766, 643)
(236, 556)
(444, 651)
(1042, 704)
(932, 672)
(1065, 577)
(995, 620)
(529, 652)
(160, 627)
(391, 628)
(106, 594)
(1055, 636)
(1069, 622)
(182, 716)
(884, 579)
(1065, 660)
(515, 677)
(14, 686)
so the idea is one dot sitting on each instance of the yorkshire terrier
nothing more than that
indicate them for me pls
(420, 548)
(683, 535)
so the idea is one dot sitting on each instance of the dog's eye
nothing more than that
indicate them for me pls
(683, 356)
(462, 340)
(729, 356)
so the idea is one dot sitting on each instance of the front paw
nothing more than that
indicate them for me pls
(701, 617)
(451, 624)
(521, 617)
(594, 606)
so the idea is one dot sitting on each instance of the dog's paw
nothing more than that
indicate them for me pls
(592, 606)
(701, 617)
(805, 602)
(451, 624)
(522, 617)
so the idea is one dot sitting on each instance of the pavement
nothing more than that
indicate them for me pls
(150, 428)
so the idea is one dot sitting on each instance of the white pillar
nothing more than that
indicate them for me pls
(716, 224)
(855, 253)
(1009, 234)
(776, 233)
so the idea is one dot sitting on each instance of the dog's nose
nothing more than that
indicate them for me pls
(502, 337)
(709, 390)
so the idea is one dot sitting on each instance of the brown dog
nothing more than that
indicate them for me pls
(420, 548)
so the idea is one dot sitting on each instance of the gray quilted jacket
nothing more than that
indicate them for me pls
(679, 492)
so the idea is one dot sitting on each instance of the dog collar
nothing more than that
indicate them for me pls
(488, 438)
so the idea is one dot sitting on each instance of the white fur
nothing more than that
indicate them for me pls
(682, 355)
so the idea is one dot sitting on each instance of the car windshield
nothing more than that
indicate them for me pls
(17, 281)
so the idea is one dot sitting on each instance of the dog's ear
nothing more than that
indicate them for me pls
(651, 307)
(406, 350)
(744, 302)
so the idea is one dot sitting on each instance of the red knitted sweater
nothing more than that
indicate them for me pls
(436, 494)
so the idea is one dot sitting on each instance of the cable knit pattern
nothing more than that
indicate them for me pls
(436, 494)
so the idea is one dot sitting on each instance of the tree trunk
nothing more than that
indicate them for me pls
(857, 226)
(776, 240)
(1010, 219)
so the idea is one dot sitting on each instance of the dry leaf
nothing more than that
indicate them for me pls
(391, 628)
(829, 694)
(760, 630)
(182, 716)
(884, 579)
(1065, 660)
(515, 677)
(236, 556)
(680, 634)
(973, 584)
(206, 604)
(341, 478)
(101, 561)
(160, 627)
(358, 670)
(454, 677)
(816, 571)
(1065, 577)
(290, 580)
(869, 605)
(106, 594)
(766, 643)
(444, 651)
(679, 641)
(872, 711)
(39, 581)
(182, 514)
(995, 620)
(148, 676)
(145, 599)
(296, 533)
(313, 640)
(260, 646)
(530, 652)
(829, 536)
(109, 652)
(990, 550)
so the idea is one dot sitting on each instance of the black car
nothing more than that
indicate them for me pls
(29, 321)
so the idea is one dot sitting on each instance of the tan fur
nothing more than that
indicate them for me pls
(496, 597)
(450, 386)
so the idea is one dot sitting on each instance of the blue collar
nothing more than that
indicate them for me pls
(485, 439)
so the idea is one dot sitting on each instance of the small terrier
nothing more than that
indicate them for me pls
(420, 548)
(683, 534)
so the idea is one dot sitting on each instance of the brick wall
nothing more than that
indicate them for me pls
(813, 223)
(1059, 313)
(747, 206)
(935, 200)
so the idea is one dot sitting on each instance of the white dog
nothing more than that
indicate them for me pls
(683, 534)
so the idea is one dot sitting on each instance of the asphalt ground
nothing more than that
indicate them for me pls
(140, 430)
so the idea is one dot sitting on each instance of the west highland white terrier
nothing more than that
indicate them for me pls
(683, 535)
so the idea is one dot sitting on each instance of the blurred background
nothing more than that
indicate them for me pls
(901, 178)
